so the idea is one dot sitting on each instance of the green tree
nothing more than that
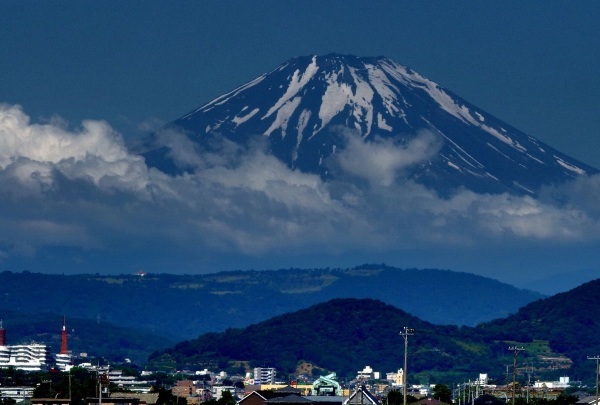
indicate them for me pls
(395, 397)
(442, 393)
(226, 399)
(78, 385)
(166, 397)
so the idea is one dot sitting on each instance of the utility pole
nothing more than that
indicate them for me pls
(596, 358)
(515, 351)
(407, 332)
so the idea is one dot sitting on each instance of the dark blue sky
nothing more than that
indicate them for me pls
(533, 64)
(74, 199)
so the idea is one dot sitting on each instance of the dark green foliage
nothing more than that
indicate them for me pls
(343, 334)
(226, 399)
(165, 397)
(338, 336)
(396, 397)
(161, 304)
(79, 385)
(442, 393)
(7, 401)
(570, 321)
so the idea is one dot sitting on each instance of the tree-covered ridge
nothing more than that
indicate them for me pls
(569, 322)
(154, 302)
(343, 335)
(340, 335)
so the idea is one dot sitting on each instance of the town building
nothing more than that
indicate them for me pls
(28, 357)
(396, 379)
(362, 396)
(264, 375)
(367, 374)
(19, 394)
(33, 356)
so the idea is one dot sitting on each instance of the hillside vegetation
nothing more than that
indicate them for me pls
(343, 335)
(182, 307)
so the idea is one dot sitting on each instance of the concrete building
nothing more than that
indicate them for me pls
(264, 375)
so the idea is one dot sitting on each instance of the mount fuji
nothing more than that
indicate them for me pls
(310, 108)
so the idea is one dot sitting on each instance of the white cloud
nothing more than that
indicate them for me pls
(83, 190)
(382, 159)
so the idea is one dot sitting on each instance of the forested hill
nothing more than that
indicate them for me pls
(341, 335)
(154, 302)
(569, 321)
(556, 334)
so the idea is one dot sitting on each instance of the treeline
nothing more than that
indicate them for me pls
(341, 335)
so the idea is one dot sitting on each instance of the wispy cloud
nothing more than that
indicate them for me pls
(83, 190)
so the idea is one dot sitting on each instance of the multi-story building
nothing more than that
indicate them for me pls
(31, 357)
(397, 379)
(264, 375)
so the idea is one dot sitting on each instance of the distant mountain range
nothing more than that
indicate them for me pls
(311, 108)
(180, 307)
(278, 318)
(343, 335)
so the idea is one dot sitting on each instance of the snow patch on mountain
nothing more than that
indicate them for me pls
(567, 166)
(382, 124)
(284, 114)
(297, 82)
(240, 120)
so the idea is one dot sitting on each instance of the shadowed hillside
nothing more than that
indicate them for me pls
(161, 304)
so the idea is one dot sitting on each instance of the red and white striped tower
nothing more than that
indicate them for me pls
(63, 340)
(2, 335)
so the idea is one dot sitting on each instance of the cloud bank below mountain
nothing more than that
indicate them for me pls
(76, 199)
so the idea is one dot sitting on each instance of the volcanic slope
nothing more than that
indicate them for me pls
(312, 107)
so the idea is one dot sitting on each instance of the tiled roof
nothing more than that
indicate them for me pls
(289, 399)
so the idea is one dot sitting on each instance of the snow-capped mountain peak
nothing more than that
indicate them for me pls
(303, 105)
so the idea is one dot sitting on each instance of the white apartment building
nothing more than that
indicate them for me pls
(264, 375)
(31, 357)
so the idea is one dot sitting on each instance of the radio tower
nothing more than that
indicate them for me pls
(63, 340)
(2, 335)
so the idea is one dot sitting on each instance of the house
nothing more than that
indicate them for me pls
(288, 396)
(589, 400)
(184, 388)
(362, 396)
(429, 401)
(289, 399)
(148, 398)
(259, 397)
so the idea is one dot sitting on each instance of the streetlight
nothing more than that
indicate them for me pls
(596, 358)
(516, 351)
(406, 332)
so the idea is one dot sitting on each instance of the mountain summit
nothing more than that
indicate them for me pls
(310, 108)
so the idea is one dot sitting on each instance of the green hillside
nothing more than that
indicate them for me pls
(569, 322)
(344, 335)
(161, 304)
